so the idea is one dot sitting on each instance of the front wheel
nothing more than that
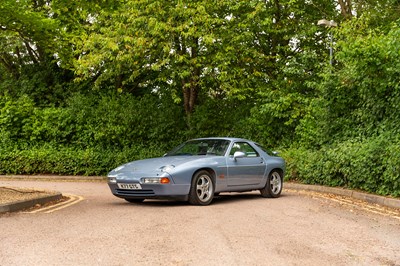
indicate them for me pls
(202, 189)
(273, 187)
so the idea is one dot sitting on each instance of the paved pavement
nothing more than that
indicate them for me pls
(16, 206)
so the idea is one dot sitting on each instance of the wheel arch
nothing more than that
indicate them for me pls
(209, 170)
(279, 170)
(273, 189)
(206, 190)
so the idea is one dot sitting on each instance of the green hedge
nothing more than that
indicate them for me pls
(372, 165)
(92, 134)
(52, 159)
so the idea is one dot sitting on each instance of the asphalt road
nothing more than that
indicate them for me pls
(237, 229)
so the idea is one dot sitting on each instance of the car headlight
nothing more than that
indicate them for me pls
(155, 180)
(112, 179)
(167, 168)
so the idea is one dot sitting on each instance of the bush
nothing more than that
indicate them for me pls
(122, 120)
(61, 160)
(14, 115)
(371, 164)
(90, 135)
(93, 134)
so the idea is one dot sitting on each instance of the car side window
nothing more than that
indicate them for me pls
(244, 147)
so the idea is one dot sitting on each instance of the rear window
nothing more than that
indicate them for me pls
(267, 151)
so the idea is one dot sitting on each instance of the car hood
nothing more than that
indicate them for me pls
(154, 166)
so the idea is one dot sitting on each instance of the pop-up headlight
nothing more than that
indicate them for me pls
(167, 168)
(112, 179)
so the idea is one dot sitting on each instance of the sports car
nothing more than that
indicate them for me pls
(199, 169)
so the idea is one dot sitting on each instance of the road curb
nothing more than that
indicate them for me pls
(371, 198)
(26, 204)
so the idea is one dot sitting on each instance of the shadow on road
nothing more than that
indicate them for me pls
(225, 198)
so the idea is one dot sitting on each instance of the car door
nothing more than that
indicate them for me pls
(247, 170)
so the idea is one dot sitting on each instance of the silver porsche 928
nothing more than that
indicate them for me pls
(198, 169)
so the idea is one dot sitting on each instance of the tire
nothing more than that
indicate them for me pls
(202, 189)
(134, 200)
(273, 187)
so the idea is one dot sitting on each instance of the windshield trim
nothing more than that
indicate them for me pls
(214, 147)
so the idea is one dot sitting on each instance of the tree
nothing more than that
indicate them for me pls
(228, 49)
(358, 96)
(159, 45)
(25, 34)
(29, 51)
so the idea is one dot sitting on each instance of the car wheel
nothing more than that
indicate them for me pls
(202, 189)
(273, 187)
(134, 200)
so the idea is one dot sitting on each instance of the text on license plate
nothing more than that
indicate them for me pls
(129, 186)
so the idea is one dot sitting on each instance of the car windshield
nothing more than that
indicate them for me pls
(201, 147)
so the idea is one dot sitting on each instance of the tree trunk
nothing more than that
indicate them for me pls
(190, 86)
(346, 8)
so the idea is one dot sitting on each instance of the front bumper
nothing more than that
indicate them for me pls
(153, 191)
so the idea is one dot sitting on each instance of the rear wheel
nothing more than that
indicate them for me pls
(134, 200)
(273, 187)
(202, 189)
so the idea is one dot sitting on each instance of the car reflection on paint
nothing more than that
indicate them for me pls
(198, 169)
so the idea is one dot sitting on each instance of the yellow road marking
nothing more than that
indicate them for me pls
(73, 199)
(65, 205)
(354, 203)
(372, 209)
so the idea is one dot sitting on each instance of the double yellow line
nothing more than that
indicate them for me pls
(72, 199)
(352, 203)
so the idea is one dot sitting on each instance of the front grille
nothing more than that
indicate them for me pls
(139, 192)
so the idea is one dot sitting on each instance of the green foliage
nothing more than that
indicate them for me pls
(370, 164)
(218, 117)
(371, 71)
(108, 120)
(120, 120)
(189, 50)
(360, 96)
(349, 135)
(62, 160)
(14, 115)
(30, 52)
(90, 135)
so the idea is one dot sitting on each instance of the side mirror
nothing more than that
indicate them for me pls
(238, 154)
(275, 153)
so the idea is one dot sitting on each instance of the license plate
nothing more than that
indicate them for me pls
(129, 186)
